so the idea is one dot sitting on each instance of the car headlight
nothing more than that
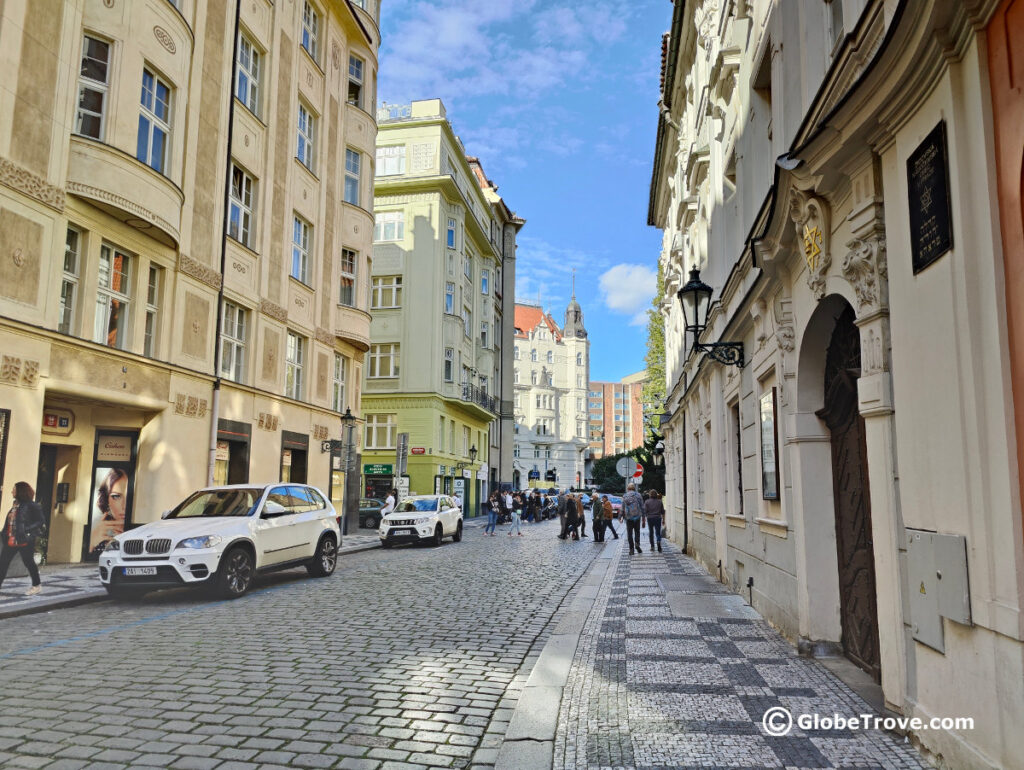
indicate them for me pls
(112, 545)
(423, 519)
(206, 541)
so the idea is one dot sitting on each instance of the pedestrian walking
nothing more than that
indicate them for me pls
(632, 512)
(560, 508)
(517, 516)
(654, 512)
(609, 515)
(581, 512)
(492, 507)
(572, 518)
(597, 517)
(24, 522)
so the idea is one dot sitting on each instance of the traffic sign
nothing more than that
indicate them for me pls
(625, 467)
(639, 472)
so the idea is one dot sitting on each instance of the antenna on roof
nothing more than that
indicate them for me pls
(574, 283)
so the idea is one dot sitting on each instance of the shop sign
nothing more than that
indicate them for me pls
(286, 458)
(113, 449)
(378, 469)
(418, 450)
(58, 422)
(931, 220)
(222, 451)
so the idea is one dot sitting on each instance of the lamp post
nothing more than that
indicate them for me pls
(695, 298)
(658, 454)
(345, 448)
(460, 466)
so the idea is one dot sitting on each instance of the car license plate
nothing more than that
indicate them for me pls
(130, 571)
(405, 531)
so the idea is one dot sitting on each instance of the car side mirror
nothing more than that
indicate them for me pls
(165, 514)
(271, 509)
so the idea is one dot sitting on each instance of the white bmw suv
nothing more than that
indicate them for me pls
(221, 537)
(422, 518)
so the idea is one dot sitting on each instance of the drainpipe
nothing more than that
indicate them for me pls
(215, 400)
(686, 515)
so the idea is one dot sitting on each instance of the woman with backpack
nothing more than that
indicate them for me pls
(23, 523)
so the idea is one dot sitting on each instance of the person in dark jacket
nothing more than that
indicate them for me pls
(654, 511)
(23, 523)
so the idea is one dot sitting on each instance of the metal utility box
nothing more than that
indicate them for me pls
(939, 588)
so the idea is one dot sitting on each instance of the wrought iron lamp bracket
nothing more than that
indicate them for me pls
(728, 353)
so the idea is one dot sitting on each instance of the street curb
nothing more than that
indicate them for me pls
(101, 595)
(530, 738)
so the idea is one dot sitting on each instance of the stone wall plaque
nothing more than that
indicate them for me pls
(931, 221)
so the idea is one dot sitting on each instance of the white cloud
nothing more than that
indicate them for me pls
(545, 270)
(628, 289)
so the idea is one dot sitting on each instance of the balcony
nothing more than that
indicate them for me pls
(480, 397)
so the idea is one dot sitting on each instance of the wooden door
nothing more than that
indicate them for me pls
(857, 596)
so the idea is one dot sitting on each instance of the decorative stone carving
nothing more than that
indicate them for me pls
(190, 406)
(125, 205)
(24, 181)
(10, 370)
(705, 21)
(865, 266)
(872, 353)
(267, 421)
(18, 257)
(335, 55)
(324, 336)
(422, 157)
(320, 432)
(199, 271)
(811, 218)
(786, 338)
(30, 375)
(164, 39)
(276, 312)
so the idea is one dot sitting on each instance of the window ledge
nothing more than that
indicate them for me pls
(306, 168)
(776, 527)
(736, 520)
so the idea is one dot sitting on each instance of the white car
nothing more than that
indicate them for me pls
(221, 537)
(422, 518)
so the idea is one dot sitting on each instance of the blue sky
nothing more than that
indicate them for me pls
(559, 101)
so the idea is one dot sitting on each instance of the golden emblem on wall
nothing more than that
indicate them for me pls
(812, 246)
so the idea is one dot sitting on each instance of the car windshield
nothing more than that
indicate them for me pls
(218, 502)
(409, 506)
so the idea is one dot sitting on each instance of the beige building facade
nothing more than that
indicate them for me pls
(829, 169)
(185, 274)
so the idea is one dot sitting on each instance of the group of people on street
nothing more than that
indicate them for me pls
(637, 511)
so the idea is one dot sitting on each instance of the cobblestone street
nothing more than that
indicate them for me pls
(417, 657)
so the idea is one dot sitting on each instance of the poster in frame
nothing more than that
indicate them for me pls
(768, 411)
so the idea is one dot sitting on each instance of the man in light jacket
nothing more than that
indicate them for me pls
(632, 511)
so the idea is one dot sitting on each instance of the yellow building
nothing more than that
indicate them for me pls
(439, 366)
(134, 335)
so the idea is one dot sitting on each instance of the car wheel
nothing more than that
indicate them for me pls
(385, 543)
(123, 593)
(371, 522)
(438, 535)
(235, 574)
(325, 559)
(458, 533)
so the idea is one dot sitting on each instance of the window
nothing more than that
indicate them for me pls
(294, 358)
(515, 376)
(449, 298)
(483, 384)
(538, 401)
(112, 297)
(465, 440)
(515, 353)
(467, 321)
(449, 365)
(355, 81)
(484, 329)
(579, 359)
(518, 401)
(485, 280)
(389, 226)
(440, 436)
(737, 427)
(352, 160)
(579, 380)
(240, 211)
(467, 267)
(579, 404)
(347, 293)
(154, 121)
(381, 431)
(338, 396)
(551, 356)
(69, 281)
(93, 81)
(247, 80)
(451, 233)
(533, 354)
(232, 343)
(306, 137)
(383, 361)
(387, 292)
(152, 310)
(300, 250)
(533, 377)
(310, 30)
(391, 160)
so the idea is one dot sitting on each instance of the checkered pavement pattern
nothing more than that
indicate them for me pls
(648, 689)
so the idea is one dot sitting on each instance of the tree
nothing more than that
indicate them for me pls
(653, 393)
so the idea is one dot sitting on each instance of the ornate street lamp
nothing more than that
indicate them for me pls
(658, 454)
(695, 298)
(472, 459)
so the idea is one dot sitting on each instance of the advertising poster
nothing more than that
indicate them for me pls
(112, 487)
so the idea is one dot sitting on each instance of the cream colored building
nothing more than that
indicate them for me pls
(443, 285)
(830, 168)
(551, 372)
(119, 123)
